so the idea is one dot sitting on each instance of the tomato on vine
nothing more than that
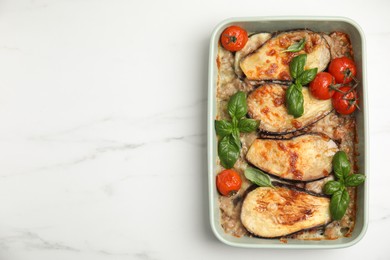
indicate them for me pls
(343, 69)
(345, 100)
(322, 87)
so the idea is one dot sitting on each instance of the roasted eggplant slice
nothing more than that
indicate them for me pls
(254, 42)
(271, 62)
(275, 212)
(266, 103)
(303, 158)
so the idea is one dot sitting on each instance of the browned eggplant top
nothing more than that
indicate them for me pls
(266, 103)
(279, 211)
(271, 62)
(302, 158)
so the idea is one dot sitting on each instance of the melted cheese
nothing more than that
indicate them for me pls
(303, 158)
(254, 42)
(267, 104)
(275, 212)
(270, 62)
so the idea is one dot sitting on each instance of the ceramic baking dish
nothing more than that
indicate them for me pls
(272, 24)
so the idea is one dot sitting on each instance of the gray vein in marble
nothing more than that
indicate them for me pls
(165, 115)
(33, 240)
(52, 245)
(385, 217)
(108, 188)
(31, 6)
(104, 252)
(188, 139)
(122, 147)
(100, 151)
(10, 48)
(72, 129)
(92, 156)
(380, 215)
(105, 145)
(144, 256)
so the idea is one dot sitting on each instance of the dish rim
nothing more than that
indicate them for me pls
(211, 135)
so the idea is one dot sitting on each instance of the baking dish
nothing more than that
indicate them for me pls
(272, 24)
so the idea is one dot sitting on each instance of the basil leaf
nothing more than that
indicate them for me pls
(258, 177)
(332, 186)
(354, 180)
(294, 100)
(307, 76)
(339, 204)
(297, 65)
(296, 46)
(223, 127)
(228, 151)
(298, 87)
(246, 125)
(341, 165)
(235, 122)
(237, 106)
(236, 136)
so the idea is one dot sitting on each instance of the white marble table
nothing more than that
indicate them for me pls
(103, 128)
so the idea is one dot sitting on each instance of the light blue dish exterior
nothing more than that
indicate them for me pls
(272, 24)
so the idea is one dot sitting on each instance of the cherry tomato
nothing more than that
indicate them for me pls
(345, 100)
(320, 87)
(228, 182)
(234, 38)
(343, 69)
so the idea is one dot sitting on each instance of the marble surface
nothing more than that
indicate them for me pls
(103, 128)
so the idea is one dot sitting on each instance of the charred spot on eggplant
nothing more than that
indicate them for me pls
(275, 212)
(270, 62)
(267, 104)
(302, 158)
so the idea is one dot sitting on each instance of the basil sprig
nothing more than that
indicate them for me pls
(295, 47)
(258, 177)
(338, 188)
(294, 96)
(229, 143)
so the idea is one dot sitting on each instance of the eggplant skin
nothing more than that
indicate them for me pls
(276, 212)
(267, 104)
(270, 62)
(302, 158)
